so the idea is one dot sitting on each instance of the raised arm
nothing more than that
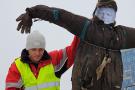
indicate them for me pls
(64, 58)
(129, 35)
(71, 22)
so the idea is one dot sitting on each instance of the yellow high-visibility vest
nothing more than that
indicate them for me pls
(46, 79)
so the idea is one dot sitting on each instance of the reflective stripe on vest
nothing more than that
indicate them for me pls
(46, 79)
(46, 85)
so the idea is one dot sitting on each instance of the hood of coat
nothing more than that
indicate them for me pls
(26, 59)
(106, 4)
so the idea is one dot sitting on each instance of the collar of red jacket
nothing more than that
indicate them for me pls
(25, 58)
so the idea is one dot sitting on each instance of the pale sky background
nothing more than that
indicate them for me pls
(12, 42)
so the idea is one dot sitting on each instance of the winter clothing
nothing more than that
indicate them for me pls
(46, 79)
(61, 61)
(107, 3)
(35, 40)
(98, 52)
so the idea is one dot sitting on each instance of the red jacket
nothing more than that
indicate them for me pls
(59, 58)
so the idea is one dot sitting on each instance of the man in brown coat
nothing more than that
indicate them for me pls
(98, 62)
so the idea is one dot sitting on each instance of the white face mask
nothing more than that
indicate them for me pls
(107, 15)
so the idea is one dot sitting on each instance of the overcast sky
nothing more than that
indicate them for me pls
(12, 41)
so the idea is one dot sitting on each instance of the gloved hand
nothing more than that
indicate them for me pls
(25, 23)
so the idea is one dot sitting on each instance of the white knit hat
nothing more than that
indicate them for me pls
(35, 40)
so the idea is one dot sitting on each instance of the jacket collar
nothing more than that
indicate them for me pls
(26, 59)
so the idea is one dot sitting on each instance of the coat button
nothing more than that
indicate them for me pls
(103, 29)
(117, 39)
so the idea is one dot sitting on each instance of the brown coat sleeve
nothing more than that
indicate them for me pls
(73, 23)
(129, 35)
